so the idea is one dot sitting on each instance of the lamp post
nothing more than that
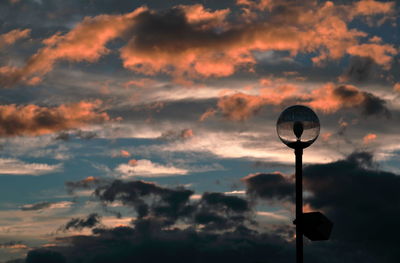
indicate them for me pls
(298, 127)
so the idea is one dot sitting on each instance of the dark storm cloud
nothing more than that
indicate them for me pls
(169, 204)
(126, 244)
(234, 203)
(213, 229)
(217, 211)
(269, 186)
(361, 200)
(44, 256)
(159, 206)
(374, 105)
(79, 223)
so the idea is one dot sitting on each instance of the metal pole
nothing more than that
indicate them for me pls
(299, 204)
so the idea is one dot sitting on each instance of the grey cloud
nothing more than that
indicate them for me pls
(79, 223)
(36, 206)
(269, 186)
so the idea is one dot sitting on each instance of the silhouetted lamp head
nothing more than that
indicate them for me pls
(298, 126)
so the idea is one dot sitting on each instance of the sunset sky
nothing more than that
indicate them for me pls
(152, 124)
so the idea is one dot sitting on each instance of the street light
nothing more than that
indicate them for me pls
(298, 127)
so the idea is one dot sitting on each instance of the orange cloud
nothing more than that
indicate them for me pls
(206, 51)
(13, 36)
(32, 120)
(369, 138)
(325, 136)
(258, 5)
(190, 41)
(372, 7)
(207, 114)
(240, 106)
(331, 98)
(86, 42)
(197, 14)
(124, 153)
(382, 54)
(89, 179)
(396, 87)
(328, 99)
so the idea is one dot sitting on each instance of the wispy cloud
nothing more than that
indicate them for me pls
(17, 167)
(147, 168)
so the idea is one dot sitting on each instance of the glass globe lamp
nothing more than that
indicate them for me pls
(298, 126)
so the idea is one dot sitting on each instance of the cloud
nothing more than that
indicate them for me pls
(209, 113)
(87, 183)
(353, 193)
(66, 136)
(348, 190)
(240, 106)
(213, 228)
(46, 205)
(44, 255)
(331, 98)
(90, 221)
(18, 167)
(124, 153)
(85, 42)
(177, 134)
(360, 69)
(270, 186)
(191, 41)
(198, 15)
(146, 168)
(369, 138)
(380, 54)
(12, 36)
(33, 120)
(173, 202)
(372, 7)
(396, 87)
(14, 245)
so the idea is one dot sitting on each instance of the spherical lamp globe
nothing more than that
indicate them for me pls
(298, 126)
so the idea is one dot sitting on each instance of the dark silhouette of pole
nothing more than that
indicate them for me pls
(292, 123)
(299, 204)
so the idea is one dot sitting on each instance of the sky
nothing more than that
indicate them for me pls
(145, 131)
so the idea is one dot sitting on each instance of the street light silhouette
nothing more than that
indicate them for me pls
(298, 127)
